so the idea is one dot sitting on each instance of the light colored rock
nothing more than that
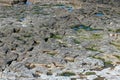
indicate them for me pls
(70, 59)
(110, 74)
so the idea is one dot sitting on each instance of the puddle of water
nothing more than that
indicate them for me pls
(28, 3)
(99, 14)
(22, 19)
(87, 28)
(62, 6)
(68, 8)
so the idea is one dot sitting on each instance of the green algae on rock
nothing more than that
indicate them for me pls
(117, 56)
(90, 73)
(67, 74)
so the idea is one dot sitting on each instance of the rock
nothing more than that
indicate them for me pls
(11, 2)
(45, 39)
(70, 59)
(30, 66)
(2, 64)
(52, 53)
(108, 73)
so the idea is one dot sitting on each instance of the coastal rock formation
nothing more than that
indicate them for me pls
(45, 41)
(11, 2)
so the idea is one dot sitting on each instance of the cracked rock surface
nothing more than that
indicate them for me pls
(60, 42)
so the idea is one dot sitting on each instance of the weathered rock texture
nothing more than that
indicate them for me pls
(45, 39)
(11, 2)
(75, 3)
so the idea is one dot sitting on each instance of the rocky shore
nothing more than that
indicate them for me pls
(60, 41)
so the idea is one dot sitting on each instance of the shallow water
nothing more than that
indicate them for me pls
(99, 14)
(87, 28)
(28, 3)
(22, 19)
(68, 8)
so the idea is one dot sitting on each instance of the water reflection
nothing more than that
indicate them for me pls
(99, 14)
(87, 28)
(76, 28)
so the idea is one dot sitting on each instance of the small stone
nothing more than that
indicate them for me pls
(49, 73)
(82, 76)
(100, 78)
(70, 59)
(58, 64)
(52, 53)
(37, 74)
(30, 65)
(73, 79)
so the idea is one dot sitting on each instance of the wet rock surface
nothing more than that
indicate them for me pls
(60, 42)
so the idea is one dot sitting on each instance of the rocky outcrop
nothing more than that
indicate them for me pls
(50, 42)
(11, 2)
(115, 3)
(75, 3)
